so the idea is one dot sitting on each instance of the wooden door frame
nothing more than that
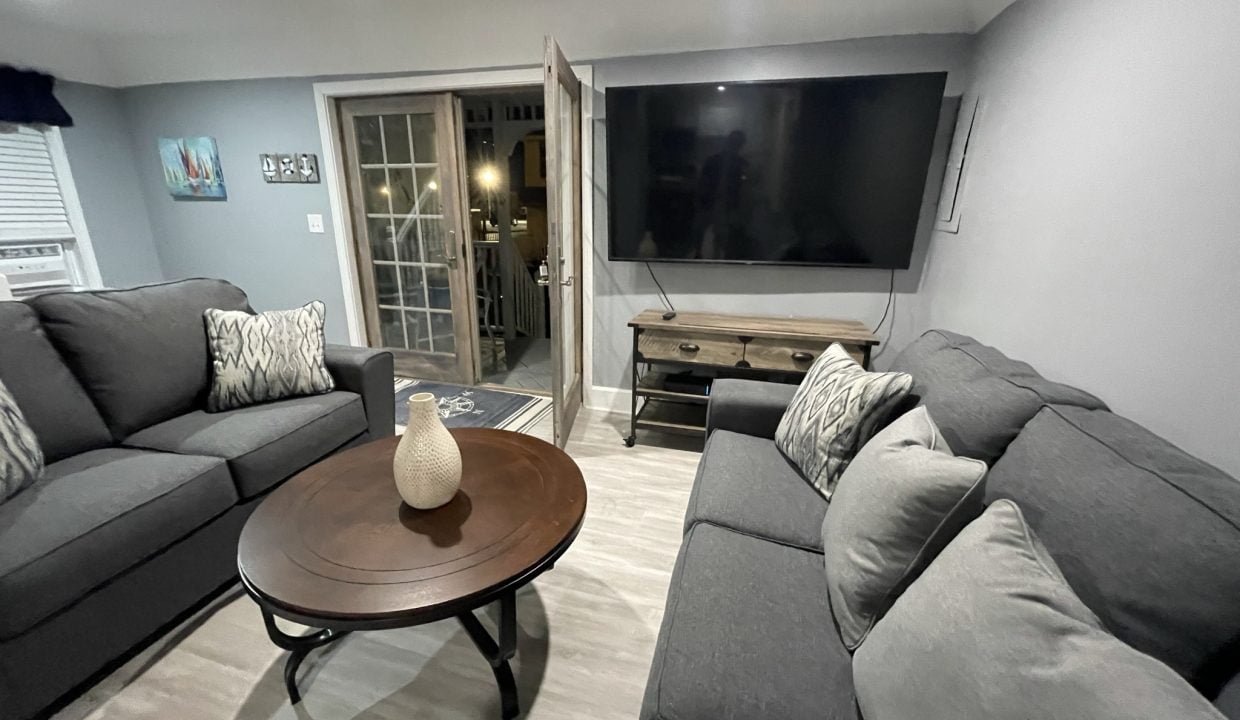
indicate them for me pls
(333, 172)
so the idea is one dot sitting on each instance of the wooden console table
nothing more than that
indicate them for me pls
(675, 361)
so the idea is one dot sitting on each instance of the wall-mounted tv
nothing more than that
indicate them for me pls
(828, 171)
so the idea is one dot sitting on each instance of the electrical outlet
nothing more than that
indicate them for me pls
(315, 221)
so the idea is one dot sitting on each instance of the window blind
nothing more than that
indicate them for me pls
(32, 205)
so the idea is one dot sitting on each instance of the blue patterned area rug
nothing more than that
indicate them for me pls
(461, 406)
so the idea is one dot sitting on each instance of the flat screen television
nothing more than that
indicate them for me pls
(827, 171)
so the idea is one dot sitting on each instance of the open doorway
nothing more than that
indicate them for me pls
(405, 245)
(506, 169)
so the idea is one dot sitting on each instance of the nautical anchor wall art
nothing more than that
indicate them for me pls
(289, 167)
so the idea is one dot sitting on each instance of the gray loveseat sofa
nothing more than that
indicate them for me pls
(136, 519)
(1147, 535)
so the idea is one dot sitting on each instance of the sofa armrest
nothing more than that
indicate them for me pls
(368, 373)
(751, 407)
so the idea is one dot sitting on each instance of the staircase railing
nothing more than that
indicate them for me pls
(527, 304)
(516, 301)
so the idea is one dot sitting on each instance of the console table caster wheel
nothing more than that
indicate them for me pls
(630, 441)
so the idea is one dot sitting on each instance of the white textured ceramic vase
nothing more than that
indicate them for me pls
(427, 465)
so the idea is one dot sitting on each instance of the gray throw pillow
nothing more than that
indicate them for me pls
(268, 356)
(992, 631)
(837, 408)
(21, 459)
(901, 500)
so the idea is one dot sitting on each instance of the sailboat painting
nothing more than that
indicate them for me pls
(192, 168)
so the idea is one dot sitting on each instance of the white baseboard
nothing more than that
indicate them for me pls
(609, 399)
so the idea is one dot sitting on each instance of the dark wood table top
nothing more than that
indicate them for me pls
(336, 547)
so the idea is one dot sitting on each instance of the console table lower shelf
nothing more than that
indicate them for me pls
(676, 361)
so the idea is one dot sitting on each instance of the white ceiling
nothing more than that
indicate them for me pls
(135, 42)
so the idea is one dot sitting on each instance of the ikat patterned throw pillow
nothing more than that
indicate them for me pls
(264, 357)
(21, 458)
(836, 410)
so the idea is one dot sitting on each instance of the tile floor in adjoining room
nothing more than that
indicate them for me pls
(522, 363)
(586, 632)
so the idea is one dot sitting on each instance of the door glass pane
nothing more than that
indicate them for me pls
(423, 126)
(375, 191)
(413, 290)
(386, 284)
(568, 295)
(429, 201)
(419, 333)
(401, 190)
(441, 329)
(369, 144)
(396, 139)
(433, 239)
(391, 331)
(438, 290)
(407, 239)
(379, 231)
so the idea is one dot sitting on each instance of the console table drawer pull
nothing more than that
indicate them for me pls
(801, 356)
(689, 347)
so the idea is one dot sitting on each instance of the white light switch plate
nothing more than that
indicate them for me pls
(315, 221)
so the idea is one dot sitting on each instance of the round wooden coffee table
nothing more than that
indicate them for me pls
(336, 548)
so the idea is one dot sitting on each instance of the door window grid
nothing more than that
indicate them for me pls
(426, 312)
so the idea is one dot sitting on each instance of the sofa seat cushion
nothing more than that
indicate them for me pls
(747, 634)
(979, 397)
(263, 444)
(141, 353)
(746, 484)
(1147, 535)
(94, 515)
(51, 399)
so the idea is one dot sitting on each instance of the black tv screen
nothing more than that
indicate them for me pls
(826, 171)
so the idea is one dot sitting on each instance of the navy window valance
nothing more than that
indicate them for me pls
(26, 99)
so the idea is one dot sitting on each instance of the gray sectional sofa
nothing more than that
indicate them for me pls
(1147, 535)
(136, 519)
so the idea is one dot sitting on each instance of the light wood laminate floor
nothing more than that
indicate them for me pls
(586, 628)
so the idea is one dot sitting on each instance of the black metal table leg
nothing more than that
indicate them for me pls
(499, 653)
(631, 440)
(299, 646)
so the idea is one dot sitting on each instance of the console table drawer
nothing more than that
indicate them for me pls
(693, 347)
(791, 355)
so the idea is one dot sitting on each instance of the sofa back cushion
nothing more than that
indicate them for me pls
(979, 397)
(1147, 535)
(63, 418)
(141, 353)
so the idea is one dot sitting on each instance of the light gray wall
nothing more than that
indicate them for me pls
(257, 238)
(102, 162)
(1100, 235)
(622, 289)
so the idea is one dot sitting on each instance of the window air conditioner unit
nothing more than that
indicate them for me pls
(34, 266)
